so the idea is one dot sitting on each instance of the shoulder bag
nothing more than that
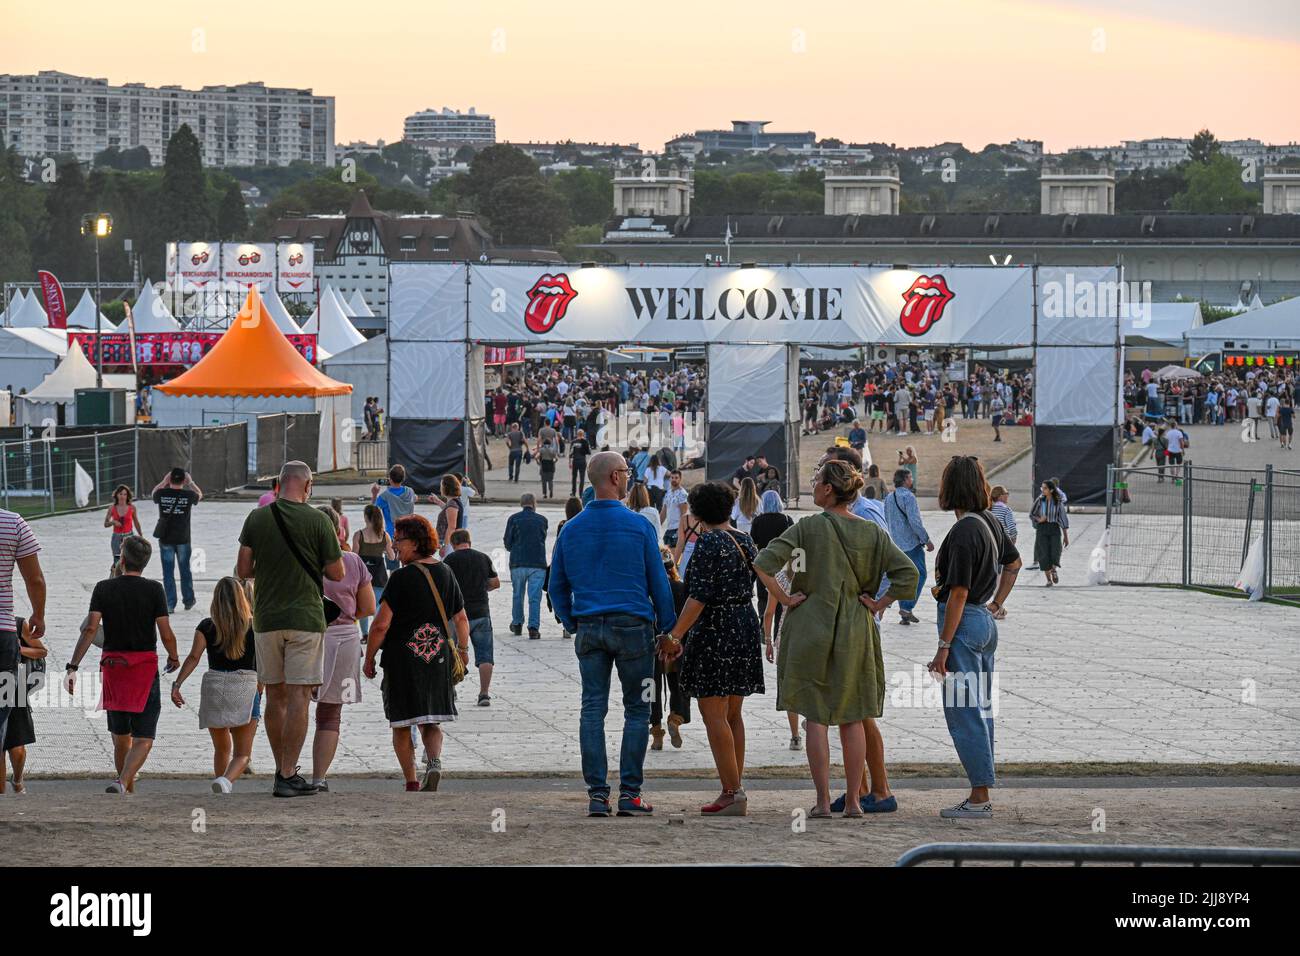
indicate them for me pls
(332, 610)
(457, 662)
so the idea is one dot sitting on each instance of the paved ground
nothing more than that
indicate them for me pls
(1085, 674)
(546, 824)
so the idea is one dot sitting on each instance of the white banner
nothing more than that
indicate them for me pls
(815, 305)
(198, 264)
(295, 262)
(247, 264)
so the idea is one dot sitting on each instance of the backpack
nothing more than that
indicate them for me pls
(547, 451)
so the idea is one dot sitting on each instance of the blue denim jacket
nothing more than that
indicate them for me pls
(526, 539)
(904, 517)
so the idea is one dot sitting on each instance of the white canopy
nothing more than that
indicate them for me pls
(15, 304)
(151, 314)
(357, 306)
(1275, 326)
(283, 320)
(1164, 321)
(83, 316)
(335, 331)
(30, 315)
(74, 372)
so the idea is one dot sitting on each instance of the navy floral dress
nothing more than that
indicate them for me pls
(723, 651)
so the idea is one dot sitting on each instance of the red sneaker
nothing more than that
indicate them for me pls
(412, 786)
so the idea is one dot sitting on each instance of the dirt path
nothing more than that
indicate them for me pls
(547, 825)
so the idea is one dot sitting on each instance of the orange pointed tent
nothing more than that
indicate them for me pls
(254, 358)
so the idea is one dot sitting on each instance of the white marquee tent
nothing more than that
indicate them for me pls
(365, 368)
(283, 320)
(14, 307)
(1272, 327)
(330, 323)
(83, 316)
(55, 398)
(357, 306)
(150, 312)
(29, 316)
(27, 356)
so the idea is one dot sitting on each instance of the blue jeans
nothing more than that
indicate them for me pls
(626, 642)
(173, 554)
(480, 636)
(365, 621)
(530, 578)
(968, 708)
(917, 556)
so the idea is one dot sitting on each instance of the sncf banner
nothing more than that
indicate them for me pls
(812, 305)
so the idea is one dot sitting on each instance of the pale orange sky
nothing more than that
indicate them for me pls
(912, 73)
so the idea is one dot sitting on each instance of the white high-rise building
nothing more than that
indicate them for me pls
(450, 126)
(250, 124)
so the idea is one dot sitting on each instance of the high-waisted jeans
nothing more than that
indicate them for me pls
(969, 690)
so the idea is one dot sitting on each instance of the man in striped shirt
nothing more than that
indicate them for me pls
(18, 546)
(1002, 511)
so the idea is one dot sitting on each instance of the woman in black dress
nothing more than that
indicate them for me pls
(722, 662)
(419, 629)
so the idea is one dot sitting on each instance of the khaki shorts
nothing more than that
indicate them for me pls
(290, 657)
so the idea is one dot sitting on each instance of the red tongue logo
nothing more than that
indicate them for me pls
(548, 300)
(923, 304)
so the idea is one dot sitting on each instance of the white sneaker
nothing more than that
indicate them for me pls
(222, 785)
(115, 787)
(796, 743)
(968, 811)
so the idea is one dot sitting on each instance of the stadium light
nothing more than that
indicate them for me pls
(99, 225)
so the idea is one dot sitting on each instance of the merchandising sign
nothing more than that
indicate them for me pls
(168, 348)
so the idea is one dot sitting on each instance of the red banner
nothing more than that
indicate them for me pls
(168, 348)
(55, 307)
(512, 355)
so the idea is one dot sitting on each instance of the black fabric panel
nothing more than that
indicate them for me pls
(304, 438)
(270, 444)
(161, 450)
(236, 437)
(1077, 455)
(729, 443)
(427, 448)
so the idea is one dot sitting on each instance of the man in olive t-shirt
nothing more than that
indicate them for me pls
(288, 618)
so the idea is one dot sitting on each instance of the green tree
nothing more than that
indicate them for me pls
(232, 217)
(589, 193)
(184, 209)
(575, 237)
(1203, 148)
(525, 210)
(496, 164)
(22, 220)
(1216, 187)
(65, 251)
(1149, 190)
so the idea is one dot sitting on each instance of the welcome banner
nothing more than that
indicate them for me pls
(812, 305)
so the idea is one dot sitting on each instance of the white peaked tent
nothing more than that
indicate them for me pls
(29, 316)
(83, 316)
(55, 398)
(1273, 327)
(283, 320)
(151, 314)
(335, 331)
(357, 306)
(14, 306)
(27, 356)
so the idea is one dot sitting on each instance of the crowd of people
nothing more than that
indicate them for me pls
(1260, 398)
(912, 397)
(672, 592)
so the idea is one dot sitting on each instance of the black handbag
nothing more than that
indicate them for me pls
(332, 610)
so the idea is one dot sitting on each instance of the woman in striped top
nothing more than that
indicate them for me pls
(1052, 529)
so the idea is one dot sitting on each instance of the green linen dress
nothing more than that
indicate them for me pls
(830, 668)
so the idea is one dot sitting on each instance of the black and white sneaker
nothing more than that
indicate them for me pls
(294, 786)
(968, 811)
(432, 775)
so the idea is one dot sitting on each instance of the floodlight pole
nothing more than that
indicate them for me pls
(99, 333)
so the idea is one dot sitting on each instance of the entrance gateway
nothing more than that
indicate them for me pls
(752, 320)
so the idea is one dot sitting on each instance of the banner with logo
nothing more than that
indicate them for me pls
(167, 348)
(198, 265)
(244, 264)
(55, 307)
(511, 355)
(295, 261)
(809, 305)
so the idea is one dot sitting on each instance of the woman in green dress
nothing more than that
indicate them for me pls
(830, 668)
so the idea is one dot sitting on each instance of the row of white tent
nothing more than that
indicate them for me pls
(330, 321)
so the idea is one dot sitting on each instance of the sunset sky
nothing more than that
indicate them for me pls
(1069, 72)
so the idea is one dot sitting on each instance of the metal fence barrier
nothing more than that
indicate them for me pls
(1080, 853)
(1193, 525)
(372, 456)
